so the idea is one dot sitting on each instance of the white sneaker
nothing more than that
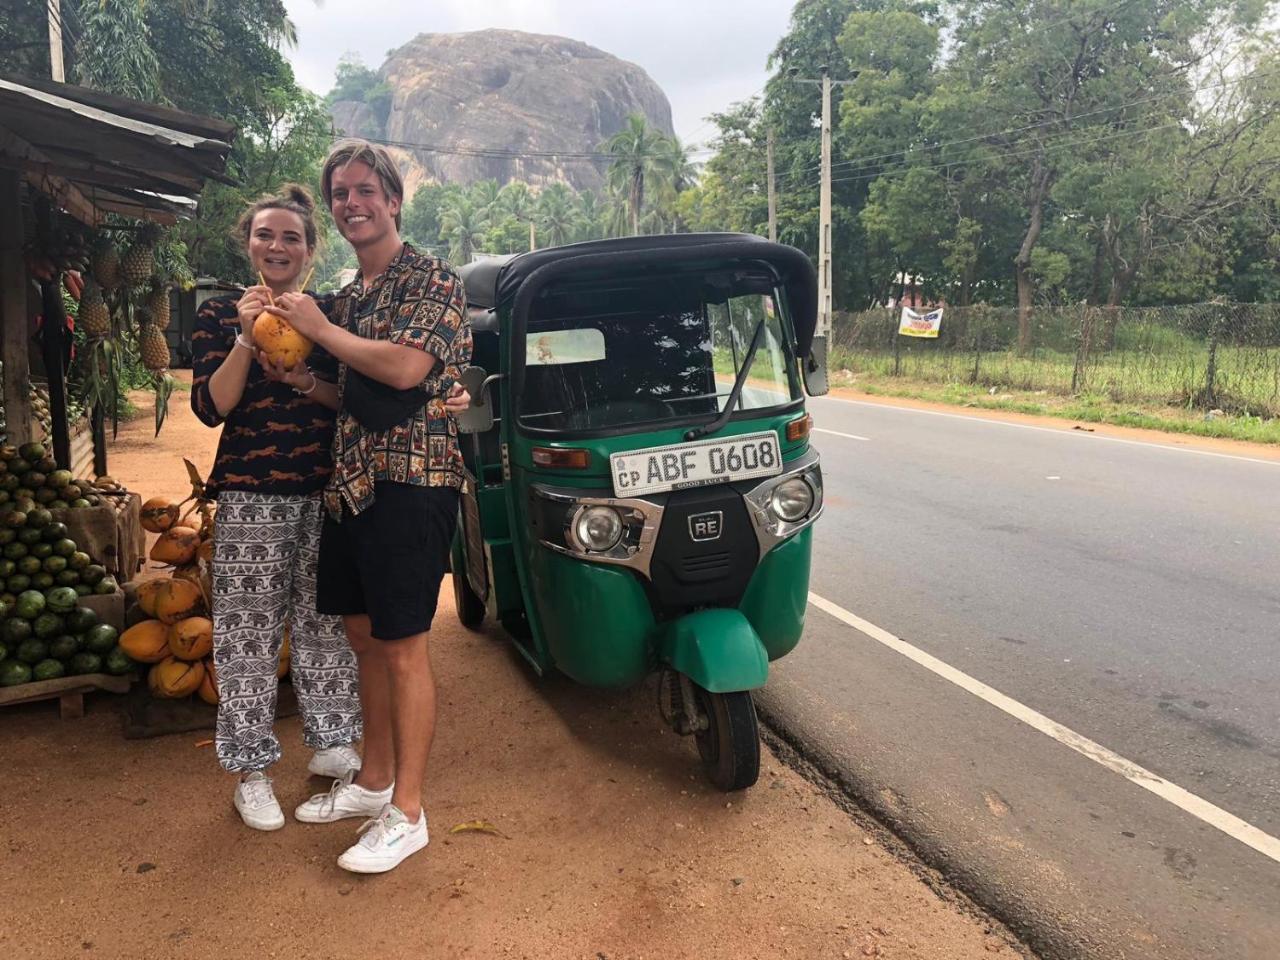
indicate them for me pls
(257, 804)
(344, 799)
(386, 842)
(335, 762)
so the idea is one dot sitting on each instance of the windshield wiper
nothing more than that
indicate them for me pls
(723, 417)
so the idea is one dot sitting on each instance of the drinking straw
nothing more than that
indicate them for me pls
(262, 280)
(307, 279)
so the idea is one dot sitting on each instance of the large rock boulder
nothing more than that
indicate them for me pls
(491, 98)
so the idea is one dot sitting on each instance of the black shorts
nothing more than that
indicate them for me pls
(388, 561)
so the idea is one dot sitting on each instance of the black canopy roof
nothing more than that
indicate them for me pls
(498, 281)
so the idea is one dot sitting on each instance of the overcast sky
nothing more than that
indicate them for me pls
(705, 54)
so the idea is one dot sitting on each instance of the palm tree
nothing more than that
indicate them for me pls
(615, 212)
(639, 160)
(557, 213)
(683, 174)
(590, 212)
(517, 202)
(483, 195)
(463, 228)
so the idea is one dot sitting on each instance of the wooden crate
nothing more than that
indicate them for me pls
(70, 691)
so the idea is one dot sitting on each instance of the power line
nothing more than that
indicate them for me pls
(1055, 145)
(503, 153)
(863, 161)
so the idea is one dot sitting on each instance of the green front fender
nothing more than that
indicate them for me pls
(717, 649)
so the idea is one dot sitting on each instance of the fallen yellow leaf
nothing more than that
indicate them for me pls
(479, 826)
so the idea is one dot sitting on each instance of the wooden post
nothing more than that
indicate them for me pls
(53, 335)
(56, 69)
(773, 195)
(13, 310)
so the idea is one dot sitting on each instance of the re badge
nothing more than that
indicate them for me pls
(706, 526)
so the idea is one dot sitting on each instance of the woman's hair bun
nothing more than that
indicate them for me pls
(299, 195)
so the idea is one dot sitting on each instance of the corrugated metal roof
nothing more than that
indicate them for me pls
(97, 153)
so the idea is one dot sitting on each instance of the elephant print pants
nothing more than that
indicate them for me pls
(264, 578)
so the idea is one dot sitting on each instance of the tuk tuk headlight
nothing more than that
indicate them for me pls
(598, 528)
(792, 500)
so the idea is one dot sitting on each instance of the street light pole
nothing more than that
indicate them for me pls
(55, 41)
(825, 268)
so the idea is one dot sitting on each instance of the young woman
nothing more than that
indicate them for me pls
(274, 459)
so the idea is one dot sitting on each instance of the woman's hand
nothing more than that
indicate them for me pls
(251, 305)
(298, 376)
(302, 313)
(457, 400)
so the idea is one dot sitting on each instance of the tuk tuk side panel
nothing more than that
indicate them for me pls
(596, 619)
(778, 594)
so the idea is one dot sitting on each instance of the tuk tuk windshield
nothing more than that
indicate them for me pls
(630, 355)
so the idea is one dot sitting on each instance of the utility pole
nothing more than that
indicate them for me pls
(825, 273)
(55, 41)
(773, 196)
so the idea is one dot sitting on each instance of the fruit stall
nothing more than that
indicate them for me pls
(87, 183)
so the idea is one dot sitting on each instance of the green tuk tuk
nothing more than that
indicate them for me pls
(641, 489)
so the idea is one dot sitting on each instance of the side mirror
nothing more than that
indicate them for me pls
(813, 368)
(479, 416)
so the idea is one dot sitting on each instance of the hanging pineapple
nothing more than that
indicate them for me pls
(157, 304)
(95, 318)
(105, 264)
(154, 348)
(138, 261)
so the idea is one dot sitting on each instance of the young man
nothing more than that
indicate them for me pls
(401, 334)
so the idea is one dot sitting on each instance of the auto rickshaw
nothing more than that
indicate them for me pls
(641, 489)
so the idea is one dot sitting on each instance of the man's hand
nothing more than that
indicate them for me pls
(302, 313)
(250, 307)
(457, 399)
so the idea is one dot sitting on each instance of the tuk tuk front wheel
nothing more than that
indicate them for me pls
(470, 607)
(730, 743)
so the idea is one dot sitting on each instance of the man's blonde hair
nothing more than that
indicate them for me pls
(375, 155)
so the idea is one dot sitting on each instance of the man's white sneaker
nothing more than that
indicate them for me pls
(344, 799)
(385, 842)
(257, 804)
(335, 762)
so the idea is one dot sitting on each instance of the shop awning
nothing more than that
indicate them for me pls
(96, 153)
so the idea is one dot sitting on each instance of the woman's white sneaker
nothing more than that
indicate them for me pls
(335, 762)
(344, 799)
(256, 803)
(385, 842)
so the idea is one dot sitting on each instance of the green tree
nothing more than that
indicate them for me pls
(639, 162)
(557, 214)
(463, 228)
(517, 202)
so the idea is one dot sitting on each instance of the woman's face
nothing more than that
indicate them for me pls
(278, 246)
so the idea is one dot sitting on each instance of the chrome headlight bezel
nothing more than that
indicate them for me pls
(771, 528)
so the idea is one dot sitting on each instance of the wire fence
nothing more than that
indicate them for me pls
(1223, 356)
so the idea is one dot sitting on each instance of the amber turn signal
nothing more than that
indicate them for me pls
(562, 458)
(799, 429)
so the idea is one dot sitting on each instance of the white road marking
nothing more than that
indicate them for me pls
(837, 433)
(1186, 801)
(1065, 433)
(1053, 478)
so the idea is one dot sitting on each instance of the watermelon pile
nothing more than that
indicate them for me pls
(48, 635)
(45, 632)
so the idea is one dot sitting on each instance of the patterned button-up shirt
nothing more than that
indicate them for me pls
(417, 302)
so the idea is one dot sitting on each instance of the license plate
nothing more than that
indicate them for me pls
(697, 464)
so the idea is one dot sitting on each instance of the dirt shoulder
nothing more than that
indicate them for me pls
(1239, 448)
(613, 846)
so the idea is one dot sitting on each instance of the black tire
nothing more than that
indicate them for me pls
(730, 746)
(470, 607)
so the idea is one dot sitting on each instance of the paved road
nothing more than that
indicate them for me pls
(1129, 592)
